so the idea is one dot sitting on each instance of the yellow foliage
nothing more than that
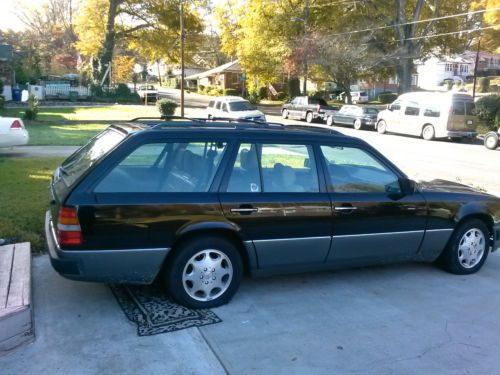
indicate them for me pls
(123, 68)
(90, 26)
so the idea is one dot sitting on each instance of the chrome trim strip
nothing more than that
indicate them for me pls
(378, 234)
(440, 230)
(293, 239)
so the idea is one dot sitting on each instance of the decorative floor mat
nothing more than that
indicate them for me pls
(154, 313)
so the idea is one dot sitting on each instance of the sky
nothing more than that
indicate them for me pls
(8, 19)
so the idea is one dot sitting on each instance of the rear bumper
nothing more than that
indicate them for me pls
(461, 134)
(15, 137)
(136, 266)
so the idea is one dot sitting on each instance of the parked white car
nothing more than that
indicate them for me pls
(358, 97)
(233, 107)
(12, 132)
(147, 91)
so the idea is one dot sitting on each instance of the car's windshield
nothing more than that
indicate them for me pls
(241, 106)
(75, 165)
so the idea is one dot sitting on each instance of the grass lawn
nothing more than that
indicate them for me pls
(49, 128)
(25, 198)
(112, 112)
(62, 135)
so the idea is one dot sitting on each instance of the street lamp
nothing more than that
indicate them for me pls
(306, 43)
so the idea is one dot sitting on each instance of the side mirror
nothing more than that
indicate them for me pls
(407, 186)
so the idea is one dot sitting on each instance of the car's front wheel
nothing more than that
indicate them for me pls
(467, 249)
(428, 132)
(284, 114)
(329, 121)
(205, 272)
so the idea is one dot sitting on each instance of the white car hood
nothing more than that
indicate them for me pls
(245, 114)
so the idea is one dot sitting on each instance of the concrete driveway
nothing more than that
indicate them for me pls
(404, 319)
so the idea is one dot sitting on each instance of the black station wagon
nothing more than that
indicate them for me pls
(196, 204)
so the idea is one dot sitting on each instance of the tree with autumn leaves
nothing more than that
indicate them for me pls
(347, 39)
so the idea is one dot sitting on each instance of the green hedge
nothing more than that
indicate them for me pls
(231, 92)
(387, 97)
(2, 101)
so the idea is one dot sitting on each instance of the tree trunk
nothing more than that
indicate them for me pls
(404, 71)
(106, 54)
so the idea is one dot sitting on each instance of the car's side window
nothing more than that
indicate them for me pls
(396, 106)
(245, 175)
(288, 168)
(211, 103)
(165, 167)
(282, 167)
(224, 107)
(459, 108)
(217, 105)
(353, 170)
(412, 109)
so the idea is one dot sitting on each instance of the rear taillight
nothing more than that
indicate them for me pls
(69, 231)
(16, 125)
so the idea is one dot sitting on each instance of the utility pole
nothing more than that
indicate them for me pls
(475, 69)
(182, 58)
(306, 46)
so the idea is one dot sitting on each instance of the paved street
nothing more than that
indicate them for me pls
(471, 163)
(404, 319)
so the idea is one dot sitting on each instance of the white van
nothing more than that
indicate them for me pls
(358, 97)
(430, 115)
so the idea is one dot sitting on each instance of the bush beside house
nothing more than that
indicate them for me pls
(488, 109)
(166, 107)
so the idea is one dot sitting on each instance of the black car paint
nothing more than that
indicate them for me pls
(292, 232)
(318, 107)
(368, 120)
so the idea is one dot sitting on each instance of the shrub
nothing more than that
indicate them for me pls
(32, 111)
(488, 109)
(166, 107)
(449, 84)
(282, 95)
(122, 91)
(1, 87)
(263, 92)
(2, 101)
(484, 84)
(231, 92)
(215, 91)
(387, 97)
(201, 89)
(253, 97)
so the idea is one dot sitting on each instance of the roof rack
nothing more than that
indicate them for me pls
(315, 128)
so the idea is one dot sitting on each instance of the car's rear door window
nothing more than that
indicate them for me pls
(353, 170)
(179, 167)
(470, 108)
(459, 108)
(274, 168)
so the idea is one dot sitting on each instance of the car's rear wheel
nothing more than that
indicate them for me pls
(381, 127)
(284, 114)
(428, 132)
(329, 121)
(357, 124)
(467, 249)
(491, 141)
(204, 272)
(309, 117)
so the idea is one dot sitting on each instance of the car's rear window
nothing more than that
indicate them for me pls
(317, 101)
(75, 165)
(470, 108)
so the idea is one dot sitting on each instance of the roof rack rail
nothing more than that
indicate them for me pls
(247, 120)
(319, 129)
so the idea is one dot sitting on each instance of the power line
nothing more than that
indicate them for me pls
(419, 21)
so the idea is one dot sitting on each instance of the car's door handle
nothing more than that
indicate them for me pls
(345, 208)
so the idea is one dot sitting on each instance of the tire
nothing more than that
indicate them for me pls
(467, 248)
(357, 124)
(491, 141)
(381, 127)
(284, 114)
(428, 132)
(309, 117)
(329, 121)
(199, 285)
